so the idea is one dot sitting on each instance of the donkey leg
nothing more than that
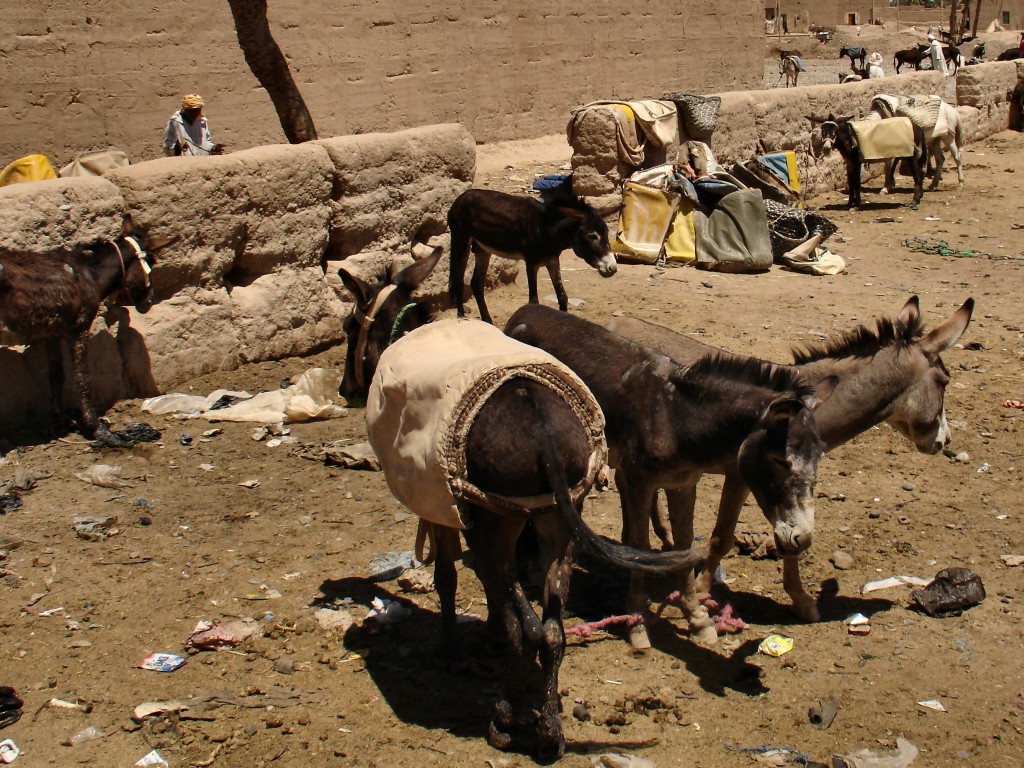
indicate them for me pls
(734, 493)
(81, 367)
(919, 162)
(555, 548)
(458, 260)
(555, 273)
(531, 280)
(803, 604)
(483, 260)
(637, 498)
(681, 503)
(940, 160)
(446, 582)
(954, 150)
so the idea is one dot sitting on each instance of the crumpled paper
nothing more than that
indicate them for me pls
(902, 757)
(104, 475)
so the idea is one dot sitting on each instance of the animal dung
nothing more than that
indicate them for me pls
(951, 592)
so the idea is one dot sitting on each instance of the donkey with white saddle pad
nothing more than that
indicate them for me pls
(940, 121)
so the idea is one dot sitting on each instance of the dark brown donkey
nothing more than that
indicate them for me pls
(491, 222)
(525, 446)
(893, 373)
(668, 424)
(53, 298)
(384, 312)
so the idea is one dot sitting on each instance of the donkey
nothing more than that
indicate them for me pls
(839, 132)
(53, 299)
(555, 438)
(668, 424)
(383, 313)
(855, 55)
(789, 67)
(953, 139)
(515, 227)
(913, 56)
(894, 373)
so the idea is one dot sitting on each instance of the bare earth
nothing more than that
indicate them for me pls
(79, 615)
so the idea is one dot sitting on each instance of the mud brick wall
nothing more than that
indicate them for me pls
(984, 87)
(81, 76)
(251, 274)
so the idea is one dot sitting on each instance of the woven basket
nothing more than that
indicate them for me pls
(789, 227)
(698, 115)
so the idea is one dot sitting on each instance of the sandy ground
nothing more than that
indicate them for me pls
(193, 544)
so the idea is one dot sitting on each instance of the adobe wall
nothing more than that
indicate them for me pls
(83, 76)
(252, 273)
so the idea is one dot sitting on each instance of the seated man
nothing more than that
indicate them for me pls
(187, 131)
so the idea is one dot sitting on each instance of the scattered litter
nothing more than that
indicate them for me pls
(9, 502)
(10, 706)
(63, 704)
(218, 636)
(904, 754)
(144, 503)
(9, 751)
(1012, 561)
(858, 624)
(152, 758)
(161, 662)
(134, 433)
(932, 218)
(953, 591)
(342, 454)
(824, 713)
(613, 760)
(209, 434)
(419, 581)
(1019, 404)
(760, 546)
(985, 466)
(384, 612)
(573, 301)
(143, 711)
(391, 565)
(104, 475)
(774, 756)
(86, 734)
(206, 467)
(311, 397)
(331, 619)
(775, 645)
(894, 581)
(93, 528)
(253, 483)
(933, 704)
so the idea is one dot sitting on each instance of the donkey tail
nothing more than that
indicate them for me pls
(609, 551)
(959, 131)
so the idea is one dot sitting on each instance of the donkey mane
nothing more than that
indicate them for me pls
(862, 341)
(749, 370)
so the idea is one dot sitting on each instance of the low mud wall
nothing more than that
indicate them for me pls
(762, 121)
(251, 274)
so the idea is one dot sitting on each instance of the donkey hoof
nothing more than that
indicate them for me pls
(807, 611)
(706, 636)
(497, 738)
(550, 747)
(638, 638)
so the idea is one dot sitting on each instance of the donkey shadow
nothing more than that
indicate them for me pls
(420, 686)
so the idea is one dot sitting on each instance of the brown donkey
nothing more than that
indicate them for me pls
(894, 374)
(513, 438)
(668, 424)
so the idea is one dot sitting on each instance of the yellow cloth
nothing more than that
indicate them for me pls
(427, 391)
(28, 168)
(644, 220)
(681, 243)
(884, 139)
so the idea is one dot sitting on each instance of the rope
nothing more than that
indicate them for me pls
(943, 248)
(398, 322)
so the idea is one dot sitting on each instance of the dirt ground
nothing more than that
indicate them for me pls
(77, 616)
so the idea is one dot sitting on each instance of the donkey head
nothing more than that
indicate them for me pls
(919, 413)
(779, 463)
(135, 249)
(590, 242)
(383, 313)
(829, 128)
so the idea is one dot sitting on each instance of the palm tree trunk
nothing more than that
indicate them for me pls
(268, 64)
(977, 15)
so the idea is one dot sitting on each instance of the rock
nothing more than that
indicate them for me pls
(843, 561)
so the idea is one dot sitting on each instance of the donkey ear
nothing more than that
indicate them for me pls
(846, 119)
(156, 243)
(126, 225)
(911, 312)
(360, 290)
(815, 120)
(410, 278)
(822, 391)
(781, 410)
(947, 334)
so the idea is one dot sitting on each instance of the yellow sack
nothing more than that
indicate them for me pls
(646, 215)
(28, 168)
(681, 244)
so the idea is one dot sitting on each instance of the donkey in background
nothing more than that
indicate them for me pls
(53, 299)
(490, 222)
